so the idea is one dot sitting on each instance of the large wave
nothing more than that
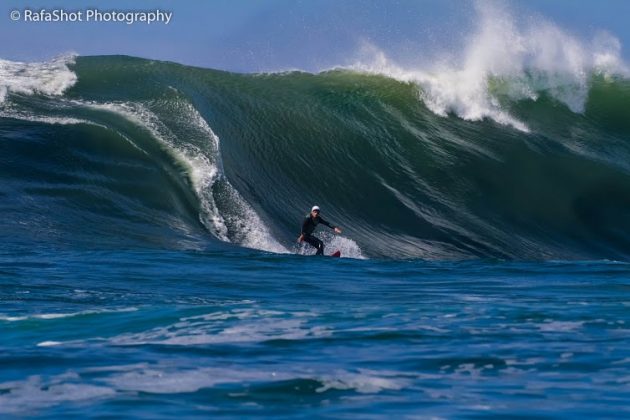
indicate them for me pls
(517, 150)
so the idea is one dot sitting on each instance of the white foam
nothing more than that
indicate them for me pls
(36, 392)
(363, 382)
(48, 316)
(22, 115)
(33, 393)
(160, 380)
(164, 380)
(221, 328)
(48, 343)
(561, 326)
(506, 57)
(252, 231)
(348, 247)
(48, 78)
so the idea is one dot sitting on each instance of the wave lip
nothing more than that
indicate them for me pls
(52, 77)
(506, 58)
(232, 220)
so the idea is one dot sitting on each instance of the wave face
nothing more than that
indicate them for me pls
(124, 152)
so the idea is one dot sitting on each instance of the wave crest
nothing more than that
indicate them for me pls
(52, 77)
(526, 57)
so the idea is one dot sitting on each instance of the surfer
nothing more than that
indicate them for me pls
(308, 227)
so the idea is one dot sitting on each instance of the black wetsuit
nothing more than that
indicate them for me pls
(308, 227)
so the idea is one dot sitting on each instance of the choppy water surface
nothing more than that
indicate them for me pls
(194, 333)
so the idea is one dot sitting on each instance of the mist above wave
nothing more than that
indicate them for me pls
(525, 55)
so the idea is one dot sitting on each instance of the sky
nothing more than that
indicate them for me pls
(275, 35)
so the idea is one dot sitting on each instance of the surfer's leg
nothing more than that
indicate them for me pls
(316, 243)
(320, 247)
(312, 241)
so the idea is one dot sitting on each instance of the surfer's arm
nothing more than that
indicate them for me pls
(324, 222)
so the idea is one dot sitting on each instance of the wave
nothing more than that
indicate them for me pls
(506, 59)
(150, 139)
(524, 157)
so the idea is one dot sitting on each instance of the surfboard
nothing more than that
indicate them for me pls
(337, 253)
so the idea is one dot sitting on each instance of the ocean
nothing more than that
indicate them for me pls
(149, 267)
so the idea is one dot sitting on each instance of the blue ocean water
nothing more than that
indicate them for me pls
(154, 334)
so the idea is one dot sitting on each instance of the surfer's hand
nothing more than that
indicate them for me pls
(337, 230)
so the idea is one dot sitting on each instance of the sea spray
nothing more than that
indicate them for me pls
(50, 78)
(527, 56)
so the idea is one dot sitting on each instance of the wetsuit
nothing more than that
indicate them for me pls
(308, 227)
